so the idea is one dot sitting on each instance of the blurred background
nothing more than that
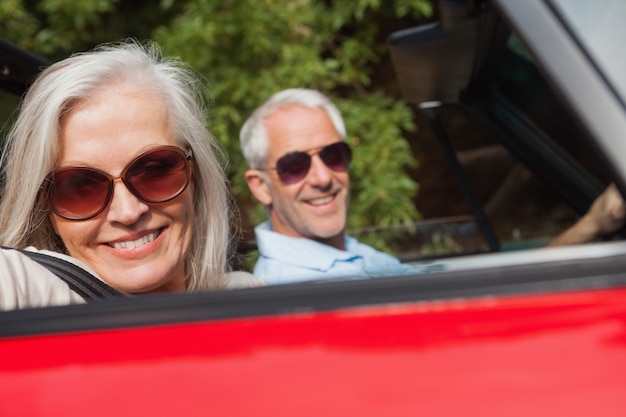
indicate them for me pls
(248, 49)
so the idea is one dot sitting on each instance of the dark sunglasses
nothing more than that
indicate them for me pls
(154, 176)
(294, 166)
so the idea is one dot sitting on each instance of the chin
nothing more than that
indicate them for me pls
(329, 233)
(332, 230)
(139, 280)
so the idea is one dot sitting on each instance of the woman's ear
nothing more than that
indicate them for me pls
(257, 183)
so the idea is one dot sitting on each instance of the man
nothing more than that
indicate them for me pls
(294, 146)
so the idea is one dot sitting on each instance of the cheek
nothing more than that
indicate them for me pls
(187, 218)
(183, 213)
(344, 179)
(285, 199)
(53, 221)
(74, 234)
(188, 205)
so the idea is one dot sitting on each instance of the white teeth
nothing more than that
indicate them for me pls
(132, 244)
(320, 201)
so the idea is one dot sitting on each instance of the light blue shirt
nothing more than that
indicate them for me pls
(285, 259)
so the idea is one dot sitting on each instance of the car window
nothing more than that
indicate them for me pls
(596, 25)
(525, 160)
(541, 150)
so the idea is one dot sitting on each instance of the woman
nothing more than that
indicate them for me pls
(109, 162)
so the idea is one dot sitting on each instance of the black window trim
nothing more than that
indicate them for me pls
(532, 271)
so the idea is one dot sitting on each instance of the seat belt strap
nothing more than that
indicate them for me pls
(79, 280)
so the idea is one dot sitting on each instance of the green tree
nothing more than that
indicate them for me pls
(249, 49)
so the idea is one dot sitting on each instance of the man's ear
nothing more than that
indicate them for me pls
(258, 186)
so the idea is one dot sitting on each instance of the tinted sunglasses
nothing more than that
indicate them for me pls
(294, 166)
(154, 176)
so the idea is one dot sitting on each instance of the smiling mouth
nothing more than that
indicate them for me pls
(132, 244)
(322, 200)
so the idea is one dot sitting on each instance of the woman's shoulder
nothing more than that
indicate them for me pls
(242, 279)
(26, 284)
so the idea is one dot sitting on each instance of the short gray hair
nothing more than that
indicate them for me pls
(253, 135)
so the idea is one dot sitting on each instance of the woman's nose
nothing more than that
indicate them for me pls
(125, 207)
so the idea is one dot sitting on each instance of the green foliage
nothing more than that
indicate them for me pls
(56, 28)
(381, 191)
(329, 46)
(18, 24)
(249, 49)
(441, 244)
(70, 17)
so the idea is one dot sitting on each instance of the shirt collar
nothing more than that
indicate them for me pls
(304, 252)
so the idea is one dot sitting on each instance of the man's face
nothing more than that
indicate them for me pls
(316, 206)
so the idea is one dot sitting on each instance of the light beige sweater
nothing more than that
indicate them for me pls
(24, 283)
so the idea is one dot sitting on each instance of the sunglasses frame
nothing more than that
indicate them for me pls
(49, 181)
(310, 153)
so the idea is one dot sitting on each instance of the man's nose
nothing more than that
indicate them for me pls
(319, 174)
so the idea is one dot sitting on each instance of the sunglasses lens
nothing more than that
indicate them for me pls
(158, 176)
(337, 156)
(292, 167)
(79, 193)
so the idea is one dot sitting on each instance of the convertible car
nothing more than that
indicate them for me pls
(525, 101)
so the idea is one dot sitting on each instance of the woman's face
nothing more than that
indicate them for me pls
(134, 246)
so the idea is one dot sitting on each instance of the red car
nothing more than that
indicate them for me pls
(501, 332)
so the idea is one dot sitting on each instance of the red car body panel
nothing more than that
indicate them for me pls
(552, 354)
(538, 333)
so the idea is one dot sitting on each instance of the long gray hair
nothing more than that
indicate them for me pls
(33, 148)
